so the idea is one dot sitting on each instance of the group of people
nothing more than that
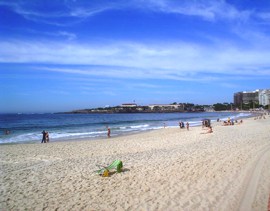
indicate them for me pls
(45, 137)
(260, 117)
(232, 122)
(207, 123)
(182, 125)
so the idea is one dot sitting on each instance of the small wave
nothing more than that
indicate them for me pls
(36, 137)
(76, 134)
(133, 127)
(139, 126)
(239, 116)
(28, 137)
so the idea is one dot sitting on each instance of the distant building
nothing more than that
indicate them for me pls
(246, 97)
(238, 98)
(209, 109)
(264, 97)
(129, 105)
(260, 97)
(251, 96)
(166, 107)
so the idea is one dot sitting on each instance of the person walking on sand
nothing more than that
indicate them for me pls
(187, 126)
(109, 132)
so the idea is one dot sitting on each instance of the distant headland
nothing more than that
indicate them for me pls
(155, 108)
(249, 101)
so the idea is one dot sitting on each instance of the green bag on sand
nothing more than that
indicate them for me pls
(117, 164)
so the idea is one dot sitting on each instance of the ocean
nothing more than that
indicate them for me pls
(27, 128)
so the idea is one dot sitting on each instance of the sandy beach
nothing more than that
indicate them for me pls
(166, 169)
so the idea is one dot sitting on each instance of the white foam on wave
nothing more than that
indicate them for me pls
(36, 137)
(60, 135)
(28, 137)
(194, 123)
(134, 127)
(240, 115)
(139, 126)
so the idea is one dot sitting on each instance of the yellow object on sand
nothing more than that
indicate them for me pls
(105, 173)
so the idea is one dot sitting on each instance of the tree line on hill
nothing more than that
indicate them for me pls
(244, 106)
(179, 107)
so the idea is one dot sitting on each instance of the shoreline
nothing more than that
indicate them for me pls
(119, 133)
(166, 169)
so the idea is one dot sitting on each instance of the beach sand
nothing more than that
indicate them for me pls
(166, 169)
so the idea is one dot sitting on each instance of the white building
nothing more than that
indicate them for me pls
(129, 105)
(166, 106)
(260, 96)
(264, 97)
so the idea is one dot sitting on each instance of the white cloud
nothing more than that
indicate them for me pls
(177, 61)
(85, 12)
(62, 12)
(80, 10)
(208, 10)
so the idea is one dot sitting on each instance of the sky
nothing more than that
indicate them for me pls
(64, 55)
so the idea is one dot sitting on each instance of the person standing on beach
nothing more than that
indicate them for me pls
(181, 124)
(43, 136)
(187, 126)
(47, 137)
(109, 132)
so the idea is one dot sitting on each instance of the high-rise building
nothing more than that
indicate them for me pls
(238, 98)
(264, 97)
(251, 96)
(259, 97)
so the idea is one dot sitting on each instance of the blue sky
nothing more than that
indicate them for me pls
(63, 55)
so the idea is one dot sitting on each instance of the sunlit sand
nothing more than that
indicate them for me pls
(166, 169)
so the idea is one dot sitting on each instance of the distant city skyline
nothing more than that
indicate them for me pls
(66, 55)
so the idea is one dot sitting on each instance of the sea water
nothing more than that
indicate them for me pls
(27, 128)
